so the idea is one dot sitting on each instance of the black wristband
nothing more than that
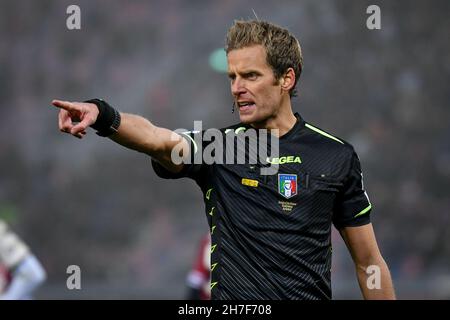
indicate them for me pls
(108, 120)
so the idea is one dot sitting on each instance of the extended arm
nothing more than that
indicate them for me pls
(134, 132)
(372, 271)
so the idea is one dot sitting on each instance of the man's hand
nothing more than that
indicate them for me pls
(75, 117)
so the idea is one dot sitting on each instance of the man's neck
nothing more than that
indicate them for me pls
(282, 122)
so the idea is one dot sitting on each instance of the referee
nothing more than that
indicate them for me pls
(270, 234)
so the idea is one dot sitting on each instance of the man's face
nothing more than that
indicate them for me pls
(256, 92)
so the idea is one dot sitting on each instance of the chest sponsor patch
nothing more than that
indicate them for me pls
(287, 185)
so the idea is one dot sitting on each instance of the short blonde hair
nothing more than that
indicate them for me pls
(283, 50)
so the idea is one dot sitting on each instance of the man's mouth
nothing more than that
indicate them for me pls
(246, 105)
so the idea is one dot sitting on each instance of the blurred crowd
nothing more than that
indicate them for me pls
(94, 204)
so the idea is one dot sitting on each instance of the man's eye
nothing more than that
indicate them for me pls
(251, 75)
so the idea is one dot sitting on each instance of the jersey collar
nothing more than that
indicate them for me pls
(295, 129)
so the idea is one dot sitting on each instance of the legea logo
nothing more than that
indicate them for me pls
(283, 160)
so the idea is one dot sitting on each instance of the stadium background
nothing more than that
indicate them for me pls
(99, 206)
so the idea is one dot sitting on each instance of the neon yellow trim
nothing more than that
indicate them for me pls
(364, 211)
(208, 193)
(195, 144)
(213, 248)
(236, 131)
(212, 229)
(213, 266)
(213, 284)
(322, 133)
(212, 211)
(239, 130)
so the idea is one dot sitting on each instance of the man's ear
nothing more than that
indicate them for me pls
(288, 79)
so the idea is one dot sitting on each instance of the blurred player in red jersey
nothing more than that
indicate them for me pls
(198, 279)
(5, 278)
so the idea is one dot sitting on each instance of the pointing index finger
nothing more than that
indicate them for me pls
(66, 105)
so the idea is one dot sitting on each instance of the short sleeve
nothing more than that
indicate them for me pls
(193, 167)
(352, 207)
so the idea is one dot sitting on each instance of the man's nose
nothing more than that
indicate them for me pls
(238, 87)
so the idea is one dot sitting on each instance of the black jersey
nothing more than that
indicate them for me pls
(271, 234)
